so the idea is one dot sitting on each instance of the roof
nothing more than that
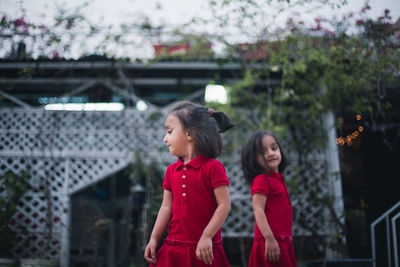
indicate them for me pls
(160, 83)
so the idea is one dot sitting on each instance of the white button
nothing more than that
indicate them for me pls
(184, 168)
(183, 185)
(184, 194)
(183, 176)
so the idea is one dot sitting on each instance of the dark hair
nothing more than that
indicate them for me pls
(252, 149)
(204, 125)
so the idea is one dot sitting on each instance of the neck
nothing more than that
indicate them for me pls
(271, 170)
(191, 154)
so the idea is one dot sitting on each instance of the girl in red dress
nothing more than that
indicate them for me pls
(196, 197)
(263, 161)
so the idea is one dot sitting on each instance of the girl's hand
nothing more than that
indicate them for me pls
(150, 251)
(204, 250)
(272, 250)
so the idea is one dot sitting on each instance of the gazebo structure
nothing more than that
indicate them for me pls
(67, 151)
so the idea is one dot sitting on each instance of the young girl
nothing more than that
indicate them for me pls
(263, 161)
(196, 197)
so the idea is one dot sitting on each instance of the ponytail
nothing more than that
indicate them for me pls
(224, 122)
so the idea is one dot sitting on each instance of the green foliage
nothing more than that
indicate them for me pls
(321, 71)
(148, 175)
(12, 188)
(53, 40)
(338, 66)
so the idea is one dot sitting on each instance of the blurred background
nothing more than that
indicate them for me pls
(85, 88)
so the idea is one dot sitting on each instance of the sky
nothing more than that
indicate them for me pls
(165, 12)
(169, 11)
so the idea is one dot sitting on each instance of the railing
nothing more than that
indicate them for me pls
(385, 217)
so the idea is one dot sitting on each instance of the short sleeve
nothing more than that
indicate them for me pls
(260, 185)
(167, 179)
(218, 175)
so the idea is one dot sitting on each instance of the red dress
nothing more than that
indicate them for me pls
(278, 210)
(192, 186)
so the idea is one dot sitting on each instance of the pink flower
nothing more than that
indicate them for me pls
(318, 20)
(158, 6)
(329, 33)
(381, 18)
(56, 54)
(25, 30)
(360, 22)
(317, 28)
(19, 22)
(70, 23)
(351, 14)
(42, 27)
(365, 8)
(387, 12)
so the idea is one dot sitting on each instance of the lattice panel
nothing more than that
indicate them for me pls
(84, 172)
(68, 151)
(240, 221)
(35, 218)
(38, 245)
(309, 214)
(78, 131)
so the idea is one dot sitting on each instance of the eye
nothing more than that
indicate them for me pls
(275, 148)
(169, 131)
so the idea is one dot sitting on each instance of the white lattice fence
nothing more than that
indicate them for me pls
(240, 220)
(68, 151)
(65, 152)
(36, 223)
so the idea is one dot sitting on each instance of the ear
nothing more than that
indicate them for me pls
(189, 137)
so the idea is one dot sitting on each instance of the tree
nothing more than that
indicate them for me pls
(341, 66)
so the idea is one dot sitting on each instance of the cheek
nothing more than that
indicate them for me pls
(260, 160)
(280, 159)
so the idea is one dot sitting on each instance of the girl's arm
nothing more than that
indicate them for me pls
(204, 246)
(272, 251)
(163, 217)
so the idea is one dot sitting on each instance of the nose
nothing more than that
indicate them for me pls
(165, 139)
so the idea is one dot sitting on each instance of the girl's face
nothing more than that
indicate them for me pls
(272, 154)
(176, 138)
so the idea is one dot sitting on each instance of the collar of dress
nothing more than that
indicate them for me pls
(194, 163)
(276, 175)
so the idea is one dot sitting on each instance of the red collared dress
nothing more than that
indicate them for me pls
(192, 186)
(278, 210)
